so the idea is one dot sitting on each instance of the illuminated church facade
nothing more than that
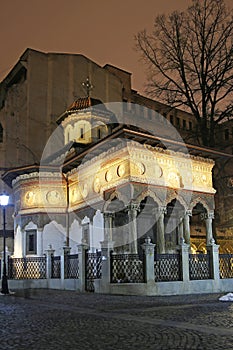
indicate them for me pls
(112, 174)
(111, 182)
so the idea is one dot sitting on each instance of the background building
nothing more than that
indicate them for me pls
(41, 86)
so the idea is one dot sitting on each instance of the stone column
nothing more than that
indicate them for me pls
(187, 216)
(133, 235)
(66, 251)
(49, 253)
(208, 221)
(180, 229)
(161, 237)
(23, 242)
(149, 269)
(108, 226)
(39, 241)
(184, 251)
(106, 249)
(81, 260)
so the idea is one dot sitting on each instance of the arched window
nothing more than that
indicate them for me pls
(1, 133)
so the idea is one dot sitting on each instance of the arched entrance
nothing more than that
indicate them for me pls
(174, 230)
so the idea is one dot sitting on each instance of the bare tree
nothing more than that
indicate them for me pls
(189, 57)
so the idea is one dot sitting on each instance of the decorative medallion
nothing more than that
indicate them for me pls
(74, 195)
(174, 179)
(96, 185)
(53, 197)
(121, 170)
(84, 190)
(158, 171)
(108, 176)
(30, 197)
(141, 169)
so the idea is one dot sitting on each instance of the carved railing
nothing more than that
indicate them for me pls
(27, 268)
(167, 267)
(127, 268)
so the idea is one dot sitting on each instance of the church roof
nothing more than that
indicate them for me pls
(84, 103)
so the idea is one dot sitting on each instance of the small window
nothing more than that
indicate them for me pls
(171, 119)
(86, 234)
(125, 105)
(184, 124)
(81, 133)
(99, 133)
(226, 132)
(178, 122)
(31, 242)
(190, 126)
(1, 133)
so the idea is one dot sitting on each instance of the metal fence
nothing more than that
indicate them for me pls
(55, 266)
(199, 266)
(71, 266)
(167, 267)
(226, 265)
(93, 269)
(27, 268)
(127, 268)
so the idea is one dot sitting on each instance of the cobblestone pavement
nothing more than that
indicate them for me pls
(48, 319)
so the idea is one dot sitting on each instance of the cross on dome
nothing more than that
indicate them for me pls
(87, 86)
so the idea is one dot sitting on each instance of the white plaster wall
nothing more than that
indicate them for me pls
(75, 236)
(18, 249)
(97, 230)
(54, 234)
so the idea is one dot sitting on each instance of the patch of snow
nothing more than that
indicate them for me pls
(227, 297)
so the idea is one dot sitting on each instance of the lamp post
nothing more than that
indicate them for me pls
(4, 199)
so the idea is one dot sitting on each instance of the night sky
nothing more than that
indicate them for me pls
(102, 30)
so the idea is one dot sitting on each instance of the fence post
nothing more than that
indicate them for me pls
(149, 251)
(82, 268)
(106, 249)
(212, 248)
(184, 252)
(66, 250)
(49, 253)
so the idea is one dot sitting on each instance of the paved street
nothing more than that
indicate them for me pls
(40, 319)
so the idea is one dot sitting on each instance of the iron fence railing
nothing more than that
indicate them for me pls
(199, 266)
(167, 267)
(127, 268)
(226, 265)
(71, 266)
(55, 266)
(27, 268)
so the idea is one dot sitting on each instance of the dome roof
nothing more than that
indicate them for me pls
(83, 103)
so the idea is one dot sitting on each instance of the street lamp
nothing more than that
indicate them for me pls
(4, 199)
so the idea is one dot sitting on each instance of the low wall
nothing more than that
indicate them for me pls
(150, 289)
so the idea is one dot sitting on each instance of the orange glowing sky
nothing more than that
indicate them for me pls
(102, 30)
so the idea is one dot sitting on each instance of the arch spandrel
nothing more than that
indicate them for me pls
(208, 205)
(148, 193)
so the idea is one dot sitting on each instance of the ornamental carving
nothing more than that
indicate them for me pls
(141, 169)
(108, 176)
(157, 171)
(53, 197)
(96, 185)
(174, 179)
(30, 198)
(84, 190)
(121, 170)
